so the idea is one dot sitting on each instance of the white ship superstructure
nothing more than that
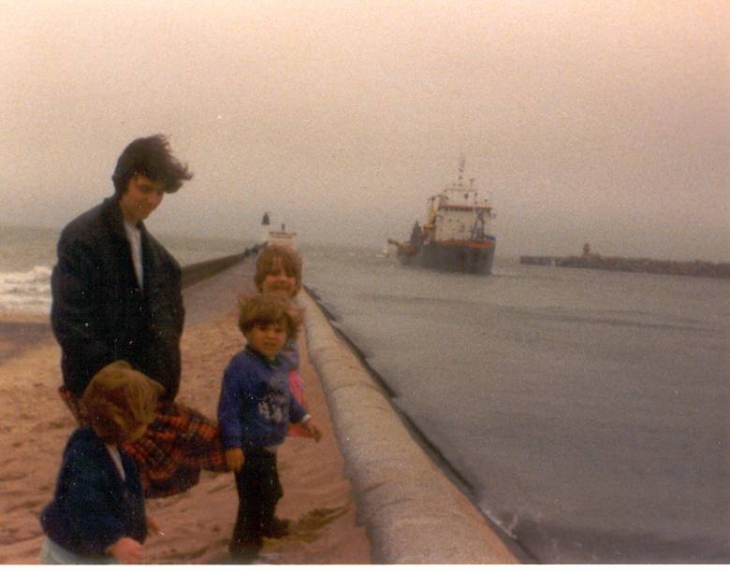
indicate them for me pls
(458, 214)
(457, 234)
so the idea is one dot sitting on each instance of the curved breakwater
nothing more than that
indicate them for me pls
(413, 513)
(194, 273)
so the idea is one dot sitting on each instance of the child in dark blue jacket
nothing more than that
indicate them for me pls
(97, 514)
(254, 412)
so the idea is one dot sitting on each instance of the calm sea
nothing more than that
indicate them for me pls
(585, 412)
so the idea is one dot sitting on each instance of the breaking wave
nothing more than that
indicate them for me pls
(26, 292)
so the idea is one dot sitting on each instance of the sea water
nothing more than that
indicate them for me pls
(27, 256)
(584, 412)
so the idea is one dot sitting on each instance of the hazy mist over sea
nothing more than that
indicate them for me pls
(600, 122)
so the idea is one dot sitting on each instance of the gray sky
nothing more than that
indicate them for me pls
(598, 121)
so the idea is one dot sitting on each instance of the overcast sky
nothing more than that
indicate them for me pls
(605, 122)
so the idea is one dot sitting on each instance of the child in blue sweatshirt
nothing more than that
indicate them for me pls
(254, 412)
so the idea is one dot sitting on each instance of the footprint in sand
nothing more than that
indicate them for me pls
(55, 424)
(308, 526)
(12, 475)
(175, 555)
(222, 486)
(27, 505)
(20, 551)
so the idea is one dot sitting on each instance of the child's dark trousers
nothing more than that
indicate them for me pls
(259, 490)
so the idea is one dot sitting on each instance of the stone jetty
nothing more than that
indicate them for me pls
(646, 265)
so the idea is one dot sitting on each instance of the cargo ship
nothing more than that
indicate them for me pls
(456, 236)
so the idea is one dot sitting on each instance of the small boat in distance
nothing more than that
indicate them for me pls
(456, 236)
(278, 237)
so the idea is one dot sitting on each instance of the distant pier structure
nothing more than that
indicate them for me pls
(618, 264)
(279, 237)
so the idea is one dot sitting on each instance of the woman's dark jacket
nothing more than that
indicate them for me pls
(99, 313)
(93, 507)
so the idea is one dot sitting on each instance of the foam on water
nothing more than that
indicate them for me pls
(26, 292)
(27, 256)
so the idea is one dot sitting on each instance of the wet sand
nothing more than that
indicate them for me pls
(19, 332)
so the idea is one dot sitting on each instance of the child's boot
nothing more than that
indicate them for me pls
(276, 528)
(247, 538)
(245, 551)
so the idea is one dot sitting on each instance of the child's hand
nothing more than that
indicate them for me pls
(234, 459)
(128, 551)
(312, 430)
(153, 527)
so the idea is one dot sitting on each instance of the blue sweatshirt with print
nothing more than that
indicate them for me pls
(256, 405)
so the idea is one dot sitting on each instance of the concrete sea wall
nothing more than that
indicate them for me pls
(413, 513)
(194, 273)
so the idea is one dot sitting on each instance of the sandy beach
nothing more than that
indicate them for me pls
(197, 524)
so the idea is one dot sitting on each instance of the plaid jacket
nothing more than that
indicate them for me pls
(177, 445)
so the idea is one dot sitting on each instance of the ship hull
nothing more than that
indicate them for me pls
(453, 257)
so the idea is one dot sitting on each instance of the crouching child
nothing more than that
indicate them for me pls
(97, 514)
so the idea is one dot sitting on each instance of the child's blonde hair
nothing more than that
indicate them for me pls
(265, 309)
(290, 262)
(118, 400)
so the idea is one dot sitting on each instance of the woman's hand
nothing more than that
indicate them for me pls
(234, 459)
(128, 551)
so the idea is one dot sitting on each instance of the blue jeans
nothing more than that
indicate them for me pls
(54, 554)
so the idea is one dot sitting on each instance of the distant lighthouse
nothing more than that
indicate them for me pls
(265, 223)
(280, 237)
